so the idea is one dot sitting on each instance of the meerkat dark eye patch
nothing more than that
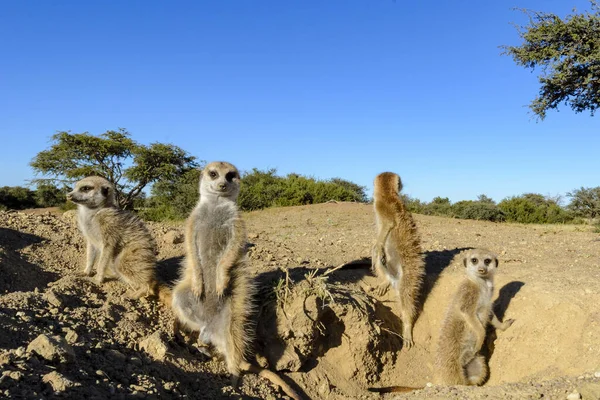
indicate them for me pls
(487, 261)
(105, 190)
(230, 176)
(213, 174)
(474, 260)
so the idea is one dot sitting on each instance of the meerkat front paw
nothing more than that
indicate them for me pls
(222, 282)
(87, 272)
(99, 279)
(382, 289)
(506, 324)
(197, 290)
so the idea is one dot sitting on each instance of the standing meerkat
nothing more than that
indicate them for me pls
(397, 251)
(214, 293)
(458, 359)
(116, 239)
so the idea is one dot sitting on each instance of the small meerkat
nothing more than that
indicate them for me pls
(458, 359)
(214, 293)
(397, 253)
(116, 239)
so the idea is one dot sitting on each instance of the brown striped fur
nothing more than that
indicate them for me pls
(214, 293)
(458, 359)
(116, 239)
(397, 256)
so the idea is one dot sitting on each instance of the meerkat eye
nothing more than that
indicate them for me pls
(474, 260)
(86, 188)
(487, 261)
(230, 176)
(212, 174)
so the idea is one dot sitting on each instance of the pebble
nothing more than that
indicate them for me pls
(574, 396)
(597, 374)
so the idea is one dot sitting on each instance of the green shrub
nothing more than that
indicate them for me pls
(439, 206)
(413, 205)
(259, 189)
(532, 208)
(17, 197)
(585, 202)
(172, 199)
(479, 210)
(262, 189)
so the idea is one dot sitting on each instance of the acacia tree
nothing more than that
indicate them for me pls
(568, 53)
(128, 165)
(585, 202)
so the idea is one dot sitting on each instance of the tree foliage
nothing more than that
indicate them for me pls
(174, 199)
(568, 52)
(261, 189)
(128, 165)
(585, 202)
(533, 208)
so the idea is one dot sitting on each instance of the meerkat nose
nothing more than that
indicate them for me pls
(481, 270)
(222, 186)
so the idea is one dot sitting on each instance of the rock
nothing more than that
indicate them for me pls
(51, 298)
(154, 346)
(117, 356)
(58, 381)
(574, 396)
(590, 391)
(173, 237)
(597, 374)
(52, 348)
(14, 375)
(71, 336)
(253, 236)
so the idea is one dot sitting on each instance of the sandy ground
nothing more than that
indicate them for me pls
(327, 333)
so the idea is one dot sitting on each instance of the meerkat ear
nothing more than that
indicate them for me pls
(497, 262)
(399, 184)
(465, 261)
(104, 190)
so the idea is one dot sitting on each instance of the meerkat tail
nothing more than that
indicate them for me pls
(394, 389)
(271, 376)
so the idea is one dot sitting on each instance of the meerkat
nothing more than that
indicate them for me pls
(213, 296)
(397, 256)
(117, 240)
(458, 359)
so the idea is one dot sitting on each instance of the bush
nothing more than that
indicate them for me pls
(479, 210)
(413, 205)
(260, 189)
(585, 202)
(17, 198)
(48, 195)
(439, 206)
(532, 208)
(172, 199)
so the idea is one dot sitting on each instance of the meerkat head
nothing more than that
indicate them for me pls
(387, 182)
(480, 263)
(220, 179)
(93, 192)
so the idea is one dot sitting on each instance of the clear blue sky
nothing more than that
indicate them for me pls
(326, 88)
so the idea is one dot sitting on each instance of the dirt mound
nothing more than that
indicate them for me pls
(327, 331)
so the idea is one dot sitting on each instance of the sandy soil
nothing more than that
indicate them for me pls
(327, 332)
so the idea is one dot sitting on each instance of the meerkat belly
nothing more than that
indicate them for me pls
(393, 261)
